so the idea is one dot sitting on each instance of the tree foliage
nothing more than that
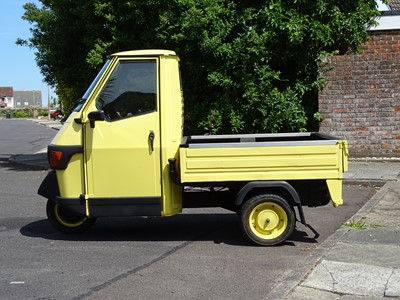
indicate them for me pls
(247, 66)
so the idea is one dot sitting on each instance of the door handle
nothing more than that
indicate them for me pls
(151, 140)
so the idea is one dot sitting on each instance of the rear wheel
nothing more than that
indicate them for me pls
(267, 219)
(66, 221)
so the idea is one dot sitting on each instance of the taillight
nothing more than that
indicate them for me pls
(54, 158)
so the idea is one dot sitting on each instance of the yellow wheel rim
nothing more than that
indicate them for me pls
(66, 218)
(268, 220)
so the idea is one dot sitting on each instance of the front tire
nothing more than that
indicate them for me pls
(267, 219)
(66, 221)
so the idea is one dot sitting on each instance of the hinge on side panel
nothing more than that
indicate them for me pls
(84, 200)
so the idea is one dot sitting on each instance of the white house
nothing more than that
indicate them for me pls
(6, 97)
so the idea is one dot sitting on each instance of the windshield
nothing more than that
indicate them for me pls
(91, 87)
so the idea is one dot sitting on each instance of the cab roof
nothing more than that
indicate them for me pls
(148, 52)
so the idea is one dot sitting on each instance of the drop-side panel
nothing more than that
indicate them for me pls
(241, 163)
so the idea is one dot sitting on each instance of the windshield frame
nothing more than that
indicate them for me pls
(91, 87)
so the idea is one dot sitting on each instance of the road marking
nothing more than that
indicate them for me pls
(17, 282)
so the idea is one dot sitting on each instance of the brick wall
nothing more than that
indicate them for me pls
(361, 101)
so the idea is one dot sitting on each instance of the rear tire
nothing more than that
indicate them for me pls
(267, 219)
(66, 221)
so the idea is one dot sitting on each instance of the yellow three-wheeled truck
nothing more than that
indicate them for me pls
(121, 153)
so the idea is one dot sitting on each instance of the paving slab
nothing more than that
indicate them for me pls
(366, 254)
(349, 278)
(379, 236)
(306, 293)
(373, 170)
(354, 297)
(393, 286)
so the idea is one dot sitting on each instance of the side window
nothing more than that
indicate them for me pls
(131, 90)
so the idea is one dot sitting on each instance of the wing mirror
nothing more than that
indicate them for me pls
(97, 115)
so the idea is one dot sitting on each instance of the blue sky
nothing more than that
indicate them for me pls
(18, 66)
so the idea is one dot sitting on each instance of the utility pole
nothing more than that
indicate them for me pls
(48, 101)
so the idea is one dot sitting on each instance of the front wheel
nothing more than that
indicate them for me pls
(267, 220)
(66, 221)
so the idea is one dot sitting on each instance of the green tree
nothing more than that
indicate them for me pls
(247, 66)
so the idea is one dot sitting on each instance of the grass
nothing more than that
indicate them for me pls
(356, 224)
(360, 224)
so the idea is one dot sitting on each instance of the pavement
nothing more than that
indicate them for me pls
(361, 260)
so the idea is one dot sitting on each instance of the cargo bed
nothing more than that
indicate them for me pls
(249, 157)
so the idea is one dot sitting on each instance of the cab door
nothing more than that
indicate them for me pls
(122, 152)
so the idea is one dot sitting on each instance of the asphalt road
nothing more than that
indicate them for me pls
(200, 254)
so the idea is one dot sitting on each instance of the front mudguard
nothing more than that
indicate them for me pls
(50, 190)
(49, 187)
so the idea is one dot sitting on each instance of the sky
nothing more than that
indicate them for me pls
(18, 65)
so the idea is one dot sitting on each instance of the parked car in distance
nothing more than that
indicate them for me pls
(55, 113)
